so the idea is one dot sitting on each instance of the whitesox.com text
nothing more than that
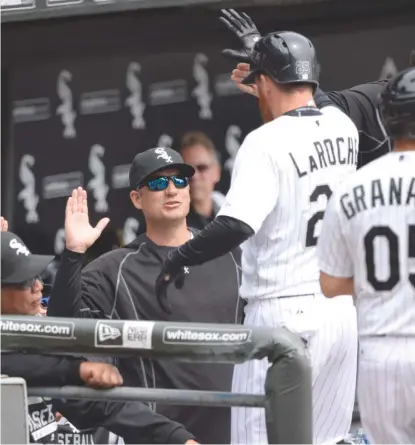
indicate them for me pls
(172, 335)
(36, 328)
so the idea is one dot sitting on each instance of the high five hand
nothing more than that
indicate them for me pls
(4, 224)
(79, 234)
(244, 29)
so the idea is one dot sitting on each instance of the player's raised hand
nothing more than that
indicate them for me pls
(238, 75)
(4, 224)
(79, 234)
(243, 27)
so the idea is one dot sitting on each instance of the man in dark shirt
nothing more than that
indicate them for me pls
(120, 285)
(358, 102)
(21, 291)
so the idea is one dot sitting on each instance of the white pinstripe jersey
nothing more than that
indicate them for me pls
(283, 175)
(369, 233)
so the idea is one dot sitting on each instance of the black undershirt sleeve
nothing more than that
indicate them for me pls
(333, 98)
(220, 236)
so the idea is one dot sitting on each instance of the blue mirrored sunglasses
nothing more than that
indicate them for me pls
(162, 182)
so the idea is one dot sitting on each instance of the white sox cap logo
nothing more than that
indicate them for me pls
(19, 248)
(106, 332)
(162, 154)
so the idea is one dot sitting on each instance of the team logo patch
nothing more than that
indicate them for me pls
(126, 334)
(108, 334)
(161, 153)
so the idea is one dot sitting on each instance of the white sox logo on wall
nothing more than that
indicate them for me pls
(131, 226)
(28, 195)
(389, 69)
(59, 243)
(165, 141)
(135, 101)
(232, 144)
(201, 91)
(97, 184)
(65, 109)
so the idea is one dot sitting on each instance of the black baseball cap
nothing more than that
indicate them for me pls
(154, 160)
(17, 263)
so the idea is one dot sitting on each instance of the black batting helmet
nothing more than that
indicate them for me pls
(397, 105)
(286, 57)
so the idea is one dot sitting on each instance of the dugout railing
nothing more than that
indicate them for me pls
(287, 392)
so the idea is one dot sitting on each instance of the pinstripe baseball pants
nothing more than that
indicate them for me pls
(330, 327)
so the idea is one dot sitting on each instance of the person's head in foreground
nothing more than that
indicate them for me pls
(397, 109)
(159, 180)
(285, 70)
(21, 285)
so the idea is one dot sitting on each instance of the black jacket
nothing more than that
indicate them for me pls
(360, 104)
(120, 285)
(134, 421)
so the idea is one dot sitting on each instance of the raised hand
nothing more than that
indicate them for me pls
(238, 75)
(4, 224)
(79, 234)
(242, 26)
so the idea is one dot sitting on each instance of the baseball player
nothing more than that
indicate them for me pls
(283, 176)
(367, 246)
(358, 102)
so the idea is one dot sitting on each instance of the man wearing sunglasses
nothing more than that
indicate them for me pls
(120, 285)
(21, 292)
(198, 150)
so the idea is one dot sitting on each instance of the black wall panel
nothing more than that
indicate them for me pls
(81, 97)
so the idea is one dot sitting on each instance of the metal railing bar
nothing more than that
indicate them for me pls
(158, 395)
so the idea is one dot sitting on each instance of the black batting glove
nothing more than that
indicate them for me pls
(242, 26)
(170, 273)
(246, 31)
(240, 55)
